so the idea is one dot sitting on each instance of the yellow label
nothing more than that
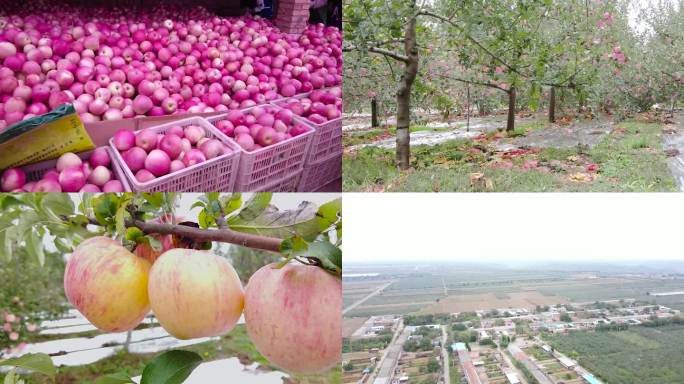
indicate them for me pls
(48, 141)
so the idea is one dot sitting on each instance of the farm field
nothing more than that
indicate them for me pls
(639, 355)
(454, 289)
(471, 303)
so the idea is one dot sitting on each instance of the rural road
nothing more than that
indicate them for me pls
(386, 370)
(445, 356)
(512, 366)
(519, 355)
(356, 304)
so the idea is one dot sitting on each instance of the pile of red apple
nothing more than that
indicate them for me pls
(149, 154)
(260, 127)
(71, 174)
(319, 106)
(114, 63)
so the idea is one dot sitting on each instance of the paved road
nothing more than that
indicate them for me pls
(512, 366)
(356, 304)
(519, 355)
(391, 359)
(445, 356)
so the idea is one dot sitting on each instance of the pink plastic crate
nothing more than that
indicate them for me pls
(35, 172)
(273, 164)
(217, 174)
(315, 176)
(287, 184)
(327, 141)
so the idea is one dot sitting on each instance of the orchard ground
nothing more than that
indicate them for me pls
(234, 344)
(575, 154)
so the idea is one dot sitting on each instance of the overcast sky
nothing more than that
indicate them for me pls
(521, 227)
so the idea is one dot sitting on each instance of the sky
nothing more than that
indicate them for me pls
(545, 227)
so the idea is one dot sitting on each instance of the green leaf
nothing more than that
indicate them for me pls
(63, 245)
(294, 246)
(59, 204)
(133, 233)
(328, 254)
(212, 196)
(328, 214)
(231, 203)
(7, 200)
(196, 204)
(39, 362)
(253, 207)
(205, 220)
(34, 246)
(120, 219)
(116, 378)
(282, 224)
(171, 367)
(154, 199)
(104, 207)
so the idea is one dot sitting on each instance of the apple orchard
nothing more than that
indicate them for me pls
(614, 57)
(131, 254)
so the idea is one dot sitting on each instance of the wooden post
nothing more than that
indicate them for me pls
(374, 112)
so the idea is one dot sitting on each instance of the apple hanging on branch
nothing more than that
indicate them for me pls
(140, 259)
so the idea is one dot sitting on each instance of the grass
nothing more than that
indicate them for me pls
(234, 344)
(631, 161)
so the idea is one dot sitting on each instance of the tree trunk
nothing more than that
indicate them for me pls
(468, 110)
(127, 344)
(374, 112)
(552, 105)
(510, 124)
(404, 95)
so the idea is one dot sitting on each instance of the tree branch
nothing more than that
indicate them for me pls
(485, 84)
(381, 51)
(472, 39)
(387, 53)
(222, 235)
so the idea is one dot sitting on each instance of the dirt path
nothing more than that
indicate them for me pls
(673, 144)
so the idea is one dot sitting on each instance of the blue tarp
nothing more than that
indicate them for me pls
(591, 379)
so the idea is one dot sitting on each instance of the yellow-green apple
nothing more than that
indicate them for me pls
(195, 293)
(293, 317)
(107, 284)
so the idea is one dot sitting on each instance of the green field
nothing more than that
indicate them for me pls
(639, 355)
(411, 292)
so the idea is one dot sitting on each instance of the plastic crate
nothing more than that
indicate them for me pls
(217, 174)
(34, 172)
(315, 176)
(327, 141)
(287, 184)
(270, 165)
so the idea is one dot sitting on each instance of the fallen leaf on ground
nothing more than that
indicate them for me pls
(581, 177)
